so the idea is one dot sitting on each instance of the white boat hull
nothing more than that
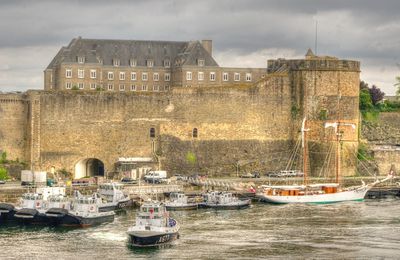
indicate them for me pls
(349, 195)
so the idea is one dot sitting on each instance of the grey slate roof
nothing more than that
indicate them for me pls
(185, 53)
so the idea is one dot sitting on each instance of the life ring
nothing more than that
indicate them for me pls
(37, 204)
(91, 208)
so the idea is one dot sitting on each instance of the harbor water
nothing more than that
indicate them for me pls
(355, 230)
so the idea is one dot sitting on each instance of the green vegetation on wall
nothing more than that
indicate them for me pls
(372, 103)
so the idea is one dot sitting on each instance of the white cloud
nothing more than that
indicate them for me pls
(22, 68)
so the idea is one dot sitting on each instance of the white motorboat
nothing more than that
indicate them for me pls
(153, 226)
(180, 201)
(224, 200)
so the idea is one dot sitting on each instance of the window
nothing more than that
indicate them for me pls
(133, 75)
(236, 77)
(194, 133)
(248, 76)
(116, 62)
(156, 88)
(68, 73)
(92, 74)
(167, 76)
(132, 62)
(166, 88)
(80, 85)
(225, 76)
(81, 59)
(167, 63)
(133, 87)
(200, 62)
(152, 132)
(110, 87)
(150, 63)
(212, 76)
(144, 76)
(121, 87)
(156, 76)
(110, 75)
(68, 85)
(122, 76)
(81, 73)
(144, 88)
(188, 75)
(200, 75)
(93, 86)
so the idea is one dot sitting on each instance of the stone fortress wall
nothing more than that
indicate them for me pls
(236, 125)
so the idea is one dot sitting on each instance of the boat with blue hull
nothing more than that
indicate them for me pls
(153, 226)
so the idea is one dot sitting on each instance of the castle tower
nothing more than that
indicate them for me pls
(325, 90)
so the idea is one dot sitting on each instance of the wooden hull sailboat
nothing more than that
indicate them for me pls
(317, 193)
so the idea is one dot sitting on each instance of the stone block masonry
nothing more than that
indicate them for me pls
(209, 129)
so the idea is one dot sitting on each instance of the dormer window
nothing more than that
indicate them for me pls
(116, 62)
(167, 63)
(81, 59)
(132, 62)
(200, 62)
(150, 63)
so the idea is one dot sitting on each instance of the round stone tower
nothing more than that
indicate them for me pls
(325, 90)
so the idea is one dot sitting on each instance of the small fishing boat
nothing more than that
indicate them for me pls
(180, 201)
(114, 197)
(224, 200)
(7, 212)
(153, 226)
(84, 212)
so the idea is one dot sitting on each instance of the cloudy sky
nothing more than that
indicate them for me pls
(245, 33)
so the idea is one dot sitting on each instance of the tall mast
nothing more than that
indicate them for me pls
(305, 150)
(337, 153)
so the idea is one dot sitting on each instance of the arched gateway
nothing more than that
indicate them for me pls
(89, 167)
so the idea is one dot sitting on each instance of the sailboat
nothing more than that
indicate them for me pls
(317, 193)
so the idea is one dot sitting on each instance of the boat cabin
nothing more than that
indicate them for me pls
(32, 201)
(178, 197)
(312, 189)
(56, 201)
(86, 204)
(111, 192)
(152, 214)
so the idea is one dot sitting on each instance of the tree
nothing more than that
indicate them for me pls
(363, 85)
(365, 100)
(376, 94)
(3, 158)
(398, 87)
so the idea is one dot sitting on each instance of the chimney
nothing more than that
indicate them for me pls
(207, 44)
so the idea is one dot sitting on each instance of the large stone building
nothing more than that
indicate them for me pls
(122, 65)
(211, 127)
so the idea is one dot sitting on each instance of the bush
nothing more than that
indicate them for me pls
(363, 154)
(3, 174)
(3, 158)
